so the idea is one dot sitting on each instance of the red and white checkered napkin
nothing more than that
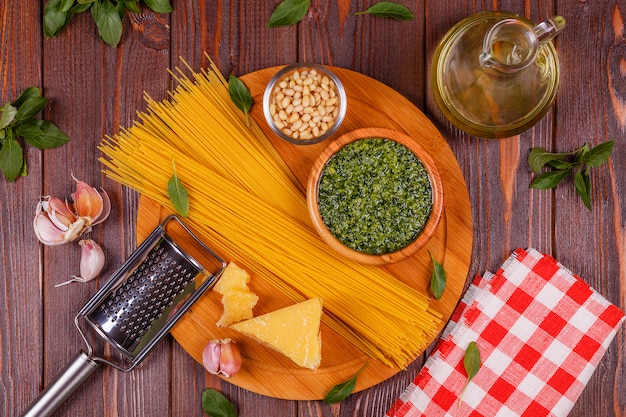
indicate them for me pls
(541, 332)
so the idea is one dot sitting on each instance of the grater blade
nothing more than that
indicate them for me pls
(147, 295)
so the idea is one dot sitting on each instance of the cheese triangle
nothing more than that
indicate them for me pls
(293, 331)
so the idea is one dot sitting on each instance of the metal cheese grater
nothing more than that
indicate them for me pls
(137, 306)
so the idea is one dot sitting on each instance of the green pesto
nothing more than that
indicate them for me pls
(375, 196)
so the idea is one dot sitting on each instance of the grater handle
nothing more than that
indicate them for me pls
(59, 390)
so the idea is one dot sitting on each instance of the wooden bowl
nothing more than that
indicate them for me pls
(435, 181)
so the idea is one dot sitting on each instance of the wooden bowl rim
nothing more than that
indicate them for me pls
(435, 180)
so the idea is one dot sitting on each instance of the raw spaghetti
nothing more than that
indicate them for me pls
(244, 198)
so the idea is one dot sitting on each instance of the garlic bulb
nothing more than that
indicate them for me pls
(57, 221)
(91, 262)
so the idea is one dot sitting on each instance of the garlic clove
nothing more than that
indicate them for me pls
(58, 211)
(91, 260)
(211, 357)
(47, 232)
(230, 359)
(88, 202)
(222, 357)
(106, 208)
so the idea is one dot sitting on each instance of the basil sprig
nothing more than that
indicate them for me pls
(107, 15)
(560, 165)
(341, 391)
(387, 9)
(17, 120)
(216, 405)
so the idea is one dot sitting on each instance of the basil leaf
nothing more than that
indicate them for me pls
(51, 137)
(86, 1)
(66, 5)
(598, 154)
(54, 19)
(288, 12)
(159, 6)
(582, 185)
(561, 165)
(28, 130)
(548, 179)
(133, 6)
(11, 159)
(437, 279)
(341, 391)
(8, 115)
(178, 194)
(240, 95)
(80, 7)
(30, 108)
(216, 405)
(30, 92)
(538, 157)
(471, 360)
(390, 10)
(108, 21)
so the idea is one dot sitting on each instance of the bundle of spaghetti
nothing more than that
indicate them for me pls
(244, 199)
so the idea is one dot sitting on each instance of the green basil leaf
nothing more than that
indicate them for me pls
(28, 130)
(538, 157)
(2, 135)
(80, 7)
(548, 180)
(288, 12)
(178, 194)
(108, 22)
(87, 1)
(52, 136)
(437, 279)
(216, 405)
(133, 6)
(8, 115)
(582, 185)
(471, 360)
(66, 5)
(159, 6)
(390, 10)
(561, 165)
(31, 107)
(598, 154)
(11, 159)
(30, 92)
(341, 391)
(54, 18)
(240, 95)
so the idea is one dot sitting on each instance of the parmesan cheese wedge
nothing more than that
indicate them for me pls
(293, 331)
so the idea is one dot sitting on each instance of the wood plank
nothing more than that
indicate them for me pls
(20, 292)
(94, 92)
(591, 243)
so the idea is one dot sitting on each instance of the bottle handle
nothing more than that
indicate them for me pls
(546, 31)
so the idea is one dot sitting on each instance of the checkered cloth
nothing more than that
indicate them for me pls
(541, 332)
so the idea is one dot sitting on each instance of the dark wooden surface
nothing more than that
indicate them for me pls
(94, 88)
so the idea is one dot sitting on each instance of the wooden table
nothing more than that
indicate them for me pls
(94, 88)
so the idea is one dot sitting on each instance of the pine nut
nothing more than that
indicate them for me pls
(304, 104)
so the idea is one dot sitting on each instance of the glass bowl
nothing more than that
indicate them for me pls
(304, 103)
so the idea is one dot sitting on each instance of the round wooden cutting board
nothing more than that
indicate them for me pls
(370, 104)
